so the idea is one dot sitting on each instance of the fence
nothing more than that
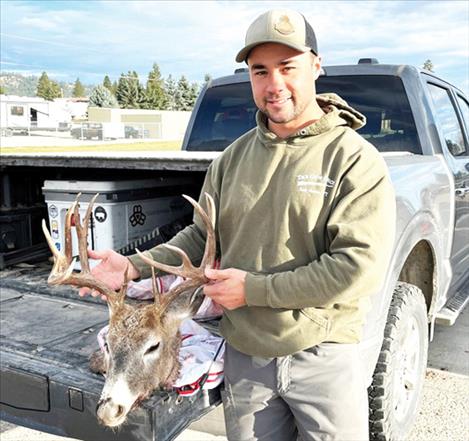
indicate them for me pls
(89, 131)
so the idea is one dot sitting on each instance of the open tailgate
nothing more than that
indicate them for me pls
(46, 336)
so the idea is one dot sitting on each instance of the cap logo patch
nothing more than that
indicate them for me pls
(284, 26)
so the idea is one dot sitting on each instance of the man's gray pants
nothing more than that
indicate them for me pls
(319, 394)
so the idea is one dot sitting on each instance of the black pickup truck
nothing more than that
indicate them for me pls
(419, 122)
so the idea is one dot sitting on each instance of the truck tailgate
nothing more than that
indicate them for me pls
(47, 334)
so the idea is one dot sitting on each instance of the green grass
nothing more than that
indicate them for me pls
(128, 147)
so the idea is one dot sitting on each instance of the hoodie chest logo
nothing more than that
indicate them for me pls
(314, 184)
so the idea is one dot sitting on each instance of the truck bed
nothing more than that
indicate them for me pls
(47, 334)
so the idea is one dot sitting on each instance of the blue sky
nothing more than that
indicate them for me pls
(89, 39)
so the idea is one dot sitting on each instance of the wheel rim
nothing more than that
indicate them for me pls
(407, 372)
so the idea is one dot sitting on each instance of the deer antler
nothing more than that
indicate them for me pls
(62, 270)
(194, 276)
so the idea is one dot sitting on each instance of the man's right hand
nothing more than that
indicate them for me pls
(110, 270)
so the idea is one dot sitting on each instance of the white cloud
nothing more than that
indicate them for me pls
(195, 37)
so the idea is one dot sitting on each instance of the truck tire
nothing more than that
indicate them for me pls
(394, 395)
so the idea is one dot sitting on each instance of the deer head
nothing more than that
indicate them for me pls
(143, 341)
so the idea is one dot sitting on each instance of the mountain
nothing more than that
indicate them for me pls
(23, 85)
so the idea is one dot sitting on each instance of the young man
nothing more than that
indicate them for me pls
(306, 215)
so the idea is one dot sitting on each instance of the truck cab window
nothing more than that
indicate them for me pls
(446, 116)
(228, 111)
(390, 124)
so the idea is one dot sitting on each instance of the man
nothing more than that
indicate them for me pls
(306, 216)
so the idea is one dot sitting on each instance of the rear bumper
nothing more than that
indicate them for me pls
(63, 400)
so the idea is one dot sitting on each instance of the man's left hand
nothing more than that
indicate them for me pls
(226, 287)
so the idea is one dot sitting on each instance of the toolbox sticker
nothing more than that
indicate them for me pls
(100, 214)
(53, 212)
(138, 217)
(55, 229)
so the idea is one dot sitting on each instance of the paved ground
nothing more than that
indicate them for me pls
(444, 413)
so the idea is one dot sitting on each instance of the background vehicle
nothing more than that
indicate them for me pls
(87, 131)
(131, 132)
(419, 122)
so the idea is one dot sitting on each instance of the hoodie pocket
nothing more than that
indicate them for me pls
(315, 317)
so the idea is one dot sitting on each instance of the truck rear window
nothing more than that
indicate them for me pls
(228, 111)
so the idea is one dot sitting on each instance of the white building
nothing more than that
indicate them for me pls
(24, 112)
(139, 123)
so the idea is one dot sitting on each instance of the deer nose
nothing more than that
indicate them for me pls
(109, 412)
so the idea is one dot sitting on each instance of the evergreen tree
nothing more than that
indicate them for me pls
(170, 89)
(43, 86)
(186, 94)
(194, 94)
(102, 97)
(428, 65)
(2, 90)
(107, 84)
(130, 93)
(78, 89)
(207, 79)
(114, 88)
(47, 88)
(155, 94)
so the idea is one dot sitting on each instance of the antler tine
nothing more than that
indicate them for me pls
(117, 298)
(194, 276)
(68, 233)
(62, 271)
(167, 299)
(63, 263)
(50, 242)
(210, 244)
(156, 290)
(209, 222)
(186, 269)
(82, 232)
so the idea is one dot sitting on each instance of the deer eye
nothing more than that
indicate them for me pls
(152, 349)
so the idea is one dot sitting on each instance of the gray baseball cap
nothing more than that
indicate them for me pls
(282, 26)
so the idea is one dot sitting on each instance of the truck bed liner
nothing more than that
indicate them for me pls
(47, 334)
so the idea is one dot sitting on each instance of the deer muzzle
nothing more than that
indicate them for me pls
(115, 403)
(110, 413)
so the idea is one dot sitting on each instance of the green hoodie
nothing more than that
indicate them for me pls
(311, 218)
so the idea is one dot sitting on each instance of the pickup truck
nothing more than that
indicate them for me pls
(418, 121)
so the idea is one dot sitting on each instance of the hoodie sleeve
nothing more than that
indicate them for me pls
(360, 232)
